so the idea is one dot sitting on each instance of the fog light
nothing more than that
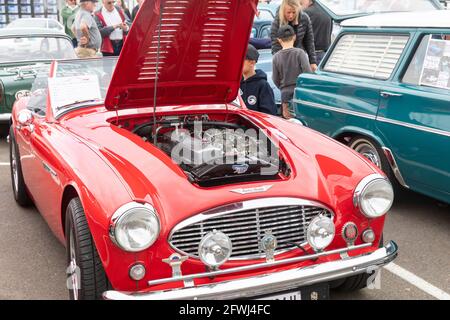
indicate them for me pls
(137, 272)
(368, 236)
(320, 233)
(350, 232)
(215, 249)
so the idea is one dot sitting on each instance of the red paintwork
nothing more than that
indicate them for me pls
(108, 166)
(200, 54)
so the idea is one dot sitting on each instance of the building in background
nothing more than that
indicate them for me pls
(11, 10)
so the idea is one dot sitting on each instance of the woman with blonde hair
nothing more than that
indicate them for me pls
(290, 13)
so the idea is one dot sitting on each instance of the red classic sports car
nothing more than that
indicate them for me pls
(162, 185)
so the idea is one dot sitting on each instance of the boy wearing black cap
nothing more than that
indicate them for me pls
(288, 64)
(255, 90)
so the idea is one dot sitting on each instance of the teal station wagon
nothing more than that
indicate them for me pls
(383, 89)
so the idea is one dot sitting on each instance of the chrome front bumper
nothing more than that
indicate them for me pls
(272, 282)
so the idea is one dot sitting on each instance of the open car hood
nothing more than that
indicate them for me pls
(341, 10)
(202, 49)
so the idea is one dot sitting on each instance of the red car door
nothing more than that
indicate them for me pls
(38, 166)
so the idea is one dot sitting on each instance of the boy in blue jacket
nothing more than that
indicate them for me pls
(255, 90)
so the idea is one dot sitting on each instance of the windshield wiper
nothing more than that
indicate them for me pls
(77, 103)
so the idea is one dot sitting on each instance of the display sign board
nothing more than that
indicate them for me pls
(436, 66)
(67, 90)
(11, 10)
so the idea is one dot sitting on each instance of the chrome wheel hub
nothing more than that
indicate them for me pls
(370, 153)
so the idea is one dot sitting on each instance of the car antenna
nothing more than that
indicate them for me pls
(155, 89)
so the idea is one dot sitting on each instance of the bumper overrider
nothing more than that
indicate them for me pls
(270, 283)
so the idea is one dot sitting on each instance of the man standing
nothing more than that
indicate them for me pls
(86, 30)
(322, 27)
(68, 15)
(113, 26)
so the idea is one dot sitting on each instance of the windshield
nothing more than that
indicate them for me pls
(34, 49)
(350, 7)
(80, 82)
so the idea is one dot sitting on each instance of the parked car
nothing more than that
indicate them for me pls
(135, 186)
(260, 35)
(384, 90)
(31, 23)
(265, 64)
(340, 10)
(22, 53)
(267, 11)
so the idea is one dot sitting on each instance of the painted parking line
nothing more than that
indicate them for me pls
(4, 164)
(417, 282)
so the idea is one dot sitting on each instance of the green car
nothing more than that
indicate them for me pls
(22, 53)
(383, 89)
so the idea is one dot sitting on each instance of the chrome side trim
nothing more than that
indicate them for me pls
(243, 206)
(271, 282)
(414, 126)
(391, 159)
(322, 106)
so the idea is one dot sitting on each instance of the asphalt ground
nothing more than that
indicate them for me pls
(32, 260)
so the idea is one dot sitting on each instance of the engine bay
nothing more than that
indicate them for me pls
(214, 149)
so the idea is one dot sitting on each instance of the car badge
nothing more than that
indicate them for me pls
(268, 245)
(175, 261)
(22, 93)
(252, 190)
(240, 168)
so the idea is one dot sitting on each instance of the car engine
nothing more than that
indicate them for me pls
(214, 152)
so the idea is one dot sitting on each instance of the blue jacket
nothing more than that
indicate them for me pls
(257, 93)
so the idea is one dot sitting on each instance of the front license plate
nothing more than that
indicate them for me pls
(295, 295)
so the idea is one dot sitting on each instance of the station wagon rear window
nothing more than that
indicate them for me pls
(430, 65)
(367, 55)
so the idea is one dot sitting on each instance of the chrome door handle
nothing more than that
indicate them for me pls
(386, 94)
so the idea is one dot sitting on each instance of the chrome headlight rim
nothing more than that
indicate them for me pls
(309, 235)
(202, 243)
(121, 213)
(363, 186)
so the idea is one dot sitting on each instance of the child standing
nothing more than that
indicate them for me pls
(287, 65)
(255, 90)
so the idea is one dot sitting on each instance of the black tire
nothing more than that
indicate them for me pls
(373, 152)
(87, 279)
(18, 184)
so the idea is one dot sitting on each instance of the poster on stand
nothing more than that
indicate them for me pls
(436, 67)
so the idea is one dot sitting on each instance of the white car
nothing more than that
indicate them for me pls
(36, 23)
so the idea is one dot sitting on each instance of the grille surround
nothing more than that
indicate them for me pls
(295, 216)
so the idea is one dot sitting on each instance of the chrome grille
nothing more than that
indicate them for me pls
(246, 228)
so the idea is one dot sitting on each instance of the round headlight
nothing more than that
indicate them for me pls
(215, 249)
(134, 227)
(374, 196)
(320, 233)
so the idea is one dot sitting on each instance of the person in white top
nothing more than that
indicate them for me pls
(114, 26)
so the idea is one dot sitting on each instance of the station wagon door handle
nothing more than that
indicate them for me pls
(386, 94)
